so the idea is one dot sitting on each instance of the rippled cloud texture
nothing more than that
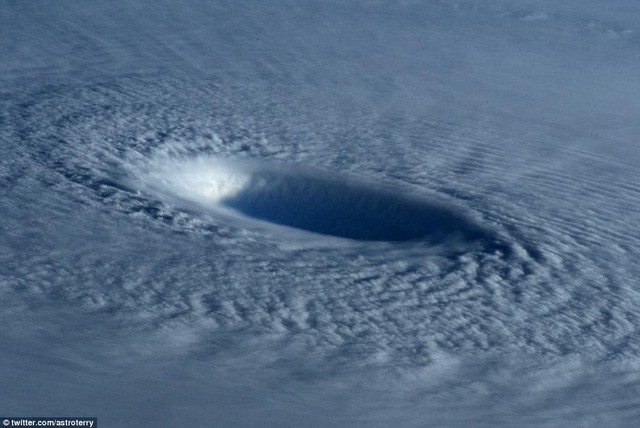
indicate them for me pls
(321, 213)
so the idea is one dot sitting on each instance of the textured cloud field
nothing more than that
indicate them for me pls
(321, 213)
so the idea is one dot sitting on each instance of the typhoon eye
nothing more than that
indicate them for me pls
(318, 202)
